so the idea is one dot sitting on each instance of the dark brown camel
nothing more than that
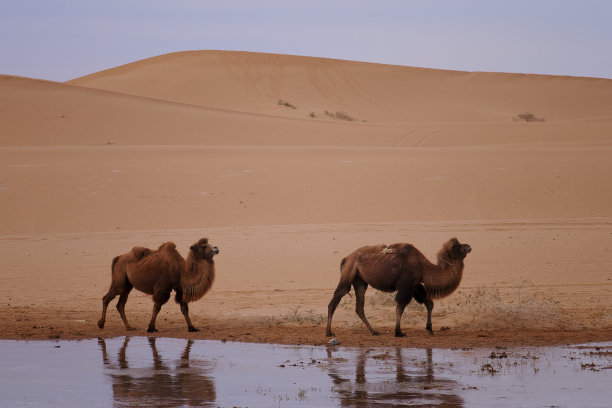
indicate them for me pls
(158, 273)
(401, 268)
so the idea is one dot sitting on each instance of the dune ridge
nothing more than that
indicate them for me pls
(374, 92)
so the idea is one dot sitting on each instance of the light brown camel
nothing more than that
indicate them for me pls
(159, 272)
(401, 268)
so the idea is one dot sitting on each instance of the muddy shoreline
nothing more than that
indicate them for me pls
(20, 324)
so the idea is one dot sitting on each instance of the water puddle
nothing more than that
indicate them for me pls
(147, 371)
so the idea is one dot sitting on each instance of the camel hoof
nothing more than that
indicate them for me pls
(375, 333)
(429, 330)
(193, 329)
(330, 334)
(101, 323)
(152, 330)
(399, 334)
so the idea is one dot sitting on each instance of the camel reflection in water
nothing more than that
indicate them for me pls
(162, 385)
(415, 386)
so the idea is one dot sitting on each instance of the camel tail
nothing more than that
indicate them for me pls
(343, 277)
(115, 259)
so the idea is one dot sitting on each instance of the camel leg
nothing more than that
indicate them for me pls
(120, 287)
(185, 311)
(399, 310)
(121, 308)
(429, 304)
(156, 309)
(360, 290)
(160, 298)
(112, 293)
(420, 295)
(342, 289)
(402, 299)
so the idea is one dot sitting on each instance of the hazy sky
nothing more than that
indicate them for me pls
(64, 39)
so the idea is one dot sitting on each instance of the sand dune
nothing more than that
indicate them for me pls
(44, 113)
(195, 144)
(255, 82)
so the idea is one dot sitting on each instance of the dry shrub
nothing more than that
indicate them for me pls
(487, 308)
(379, 298)
(528, 117)
(340, 116)
(285, 104)
(478, 309)
(294, 315)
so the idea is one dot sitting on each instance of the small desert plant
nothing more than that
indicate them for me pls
(528, 117)
(286, 104)
(313, 115)
(343, 116)
(522, 307)
(339, 115)
(382, 299)
(294, 315)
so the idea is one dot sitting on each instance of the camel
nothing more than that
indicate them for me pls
(401, 268)
(159, 272)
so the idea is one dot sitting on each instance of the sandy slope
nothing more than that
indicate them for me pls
(43, 113)
(255, 82)
(194, 144)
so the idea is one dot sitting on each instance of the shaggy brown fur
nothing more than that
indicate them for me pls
(158, 273)
(401, 268)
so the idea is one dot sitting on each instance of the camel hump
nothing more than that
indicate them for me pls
(167, 246)
(140, 252)
(397, 249)
(405, 249)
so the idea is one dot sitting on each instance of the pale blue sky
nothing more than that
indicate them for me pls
(64, 39)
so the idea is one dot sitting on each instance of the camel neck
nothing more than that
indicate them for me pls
(442, 280)
(197, 278)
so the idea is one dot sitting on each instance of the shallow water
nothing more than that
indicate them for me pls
(142, 371)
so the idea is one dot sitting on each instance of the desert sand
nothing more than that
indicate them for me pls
(257, 153)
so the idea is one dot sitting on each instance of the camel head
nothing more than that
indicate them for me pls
(453, 249)
(456, 249)
(203, 250)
